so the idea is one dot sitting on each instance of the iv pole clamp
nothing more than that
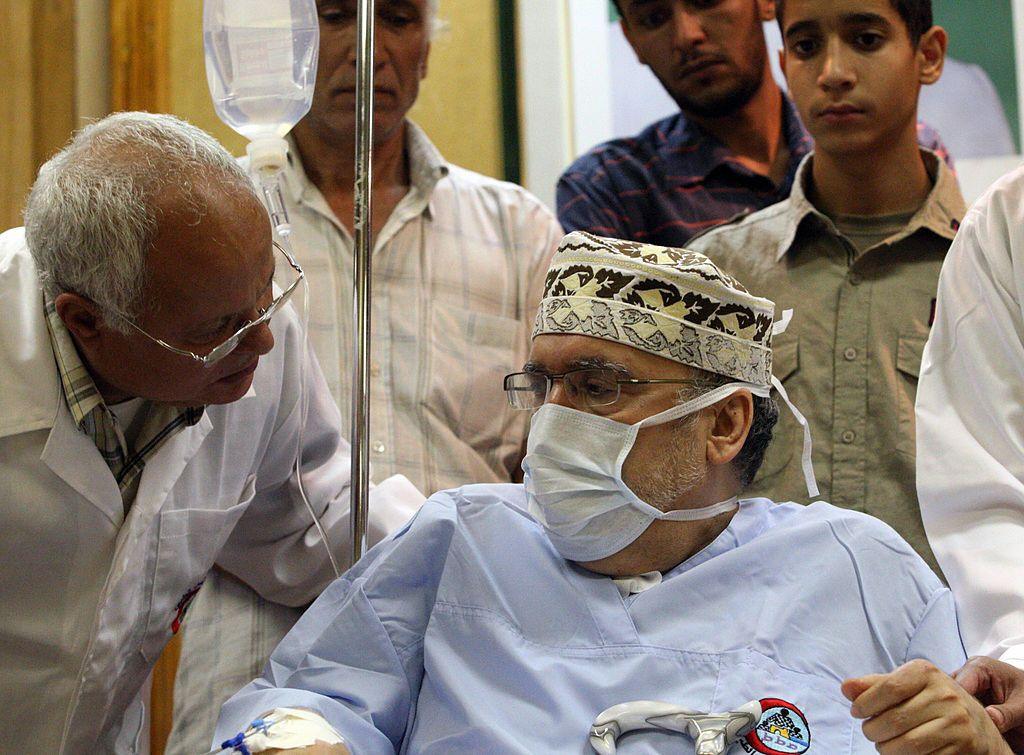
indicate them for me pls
(712, 732)
(361, 282)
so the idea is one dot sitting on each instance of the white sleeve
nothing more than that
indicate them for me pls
(970, 424)
(392, 503)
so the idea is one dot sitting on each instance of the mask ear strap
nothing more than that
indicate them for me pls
(780, 325)
(701, 402)
(778, 328)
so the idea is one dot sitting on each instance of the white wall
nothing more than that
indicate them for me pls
(545, 93)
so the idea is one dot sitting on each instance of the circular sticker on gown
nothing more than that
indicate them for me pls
(782, 730)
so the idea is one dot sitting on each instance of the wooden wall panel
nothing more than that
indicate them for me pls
(460, 100)
(16, 136)
(37, 48)
(139, 65)
(161, 709)
(53, 75)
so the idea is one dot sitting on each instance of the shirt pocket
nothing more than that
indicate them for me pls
(472, 352)
(785, 365)
(909, 351)
(189, 542)
(800, 712)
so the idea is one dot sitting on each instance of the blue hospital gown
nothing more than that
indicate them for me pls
(467, 632)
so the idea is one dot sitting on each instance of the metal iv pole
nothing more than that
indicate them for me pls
(361, 281)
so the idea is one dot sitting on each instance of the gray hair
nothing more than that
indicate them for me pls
(92, 214)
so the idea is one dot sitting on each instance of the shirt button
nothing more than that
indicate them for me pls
(850, 354)
(849, 436)
(378, 447)
(855, 279)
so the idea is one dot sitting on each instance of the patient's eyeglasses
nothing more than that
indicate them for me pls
(587, 388)
(263, 315)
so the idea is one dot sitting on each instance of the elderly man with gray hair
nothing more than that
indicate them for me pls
(152, 424)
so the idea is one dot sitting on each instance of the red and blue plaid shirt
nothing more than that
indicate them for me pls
(673, 180)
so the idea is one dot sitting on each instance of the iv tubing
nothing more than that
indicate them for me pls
(270, 180)
(360, 436)
(304, 409)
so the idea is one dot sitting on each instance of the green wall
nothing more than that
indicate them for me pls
(981, 31)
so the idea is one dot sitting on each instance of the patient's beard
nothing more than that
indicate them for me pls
(666, 484)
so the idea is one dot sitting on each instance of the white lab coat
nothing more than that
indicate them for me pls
(88, 597)
(970, 424)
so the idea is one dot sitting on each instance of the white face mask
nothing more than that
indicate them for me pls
(573, 476)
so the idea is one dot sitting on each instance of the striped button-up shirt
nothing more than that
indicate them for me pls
(94, 418)
(458, 270)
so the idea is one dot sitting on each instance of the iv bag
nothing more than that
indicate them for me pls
(261, 63)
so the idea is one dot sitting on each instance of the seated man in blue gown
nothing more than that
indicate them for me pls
(508, 618)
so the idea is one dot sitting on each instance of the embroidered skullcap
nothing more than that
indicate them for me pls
(673, 303)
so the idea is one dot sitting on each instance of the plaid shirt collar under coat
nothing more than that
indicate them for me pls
(93, 417)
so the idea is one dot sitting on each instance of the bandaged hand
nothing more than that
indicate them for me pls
(294, 731)
(918, 709)
(1000, 688)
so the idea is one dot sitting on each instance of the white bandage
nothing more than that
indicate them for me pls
(292, 728)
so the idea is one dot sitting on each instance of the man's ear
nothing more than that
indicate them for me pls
(733, 418)
(80, 316)
(931, 54)
(423, 65)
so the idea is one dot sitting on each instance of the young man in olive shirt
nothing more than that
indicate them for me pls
(855, 251)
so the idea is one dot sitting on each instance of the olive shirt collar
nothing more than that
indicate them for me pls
(940, 213)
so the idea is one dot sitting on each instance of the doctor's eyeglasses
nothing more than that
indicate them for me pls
(587, 388)
(263, 315)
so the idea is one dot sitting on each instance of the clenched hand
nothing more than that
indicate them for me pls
(919, 710)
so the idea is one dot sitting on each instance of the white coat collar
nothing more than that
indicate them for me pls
(31, 394)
